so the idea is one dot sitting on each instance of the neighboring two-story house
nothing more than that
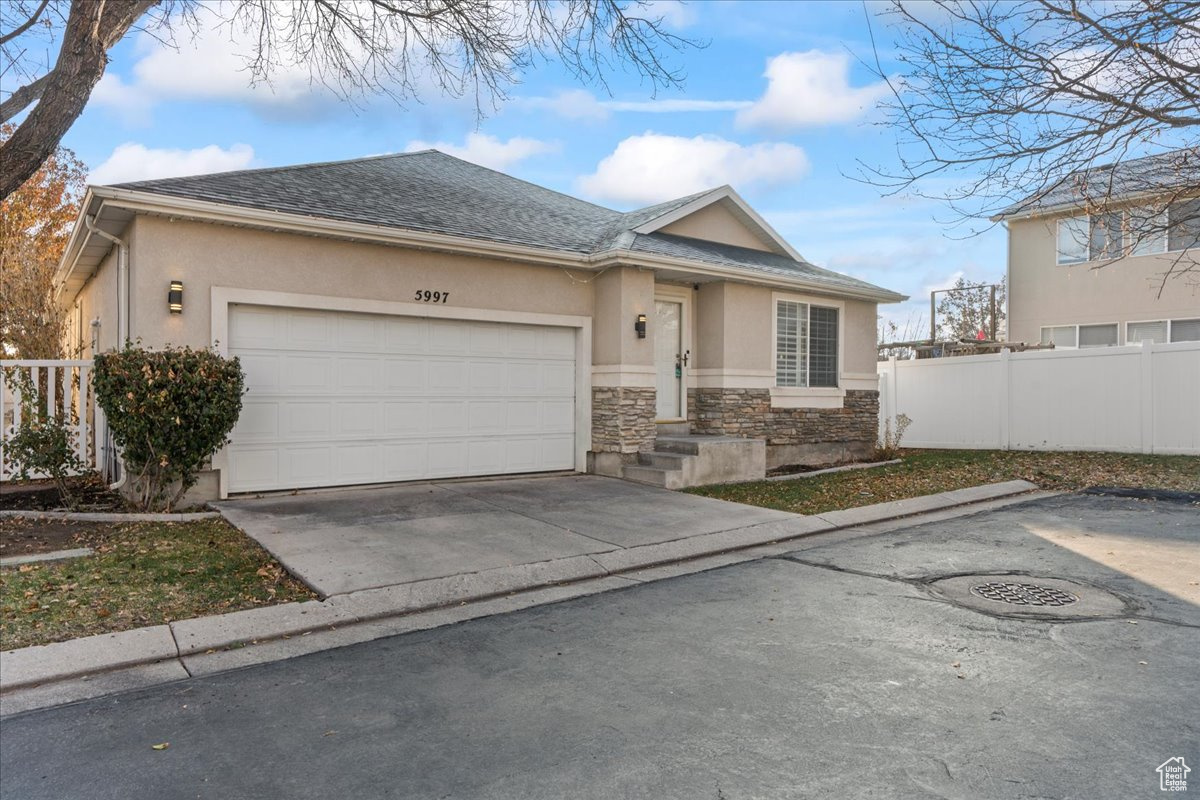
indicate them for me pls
(1088, 261)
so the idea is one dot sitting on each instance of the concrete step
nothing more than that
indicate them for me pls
(674, 428)
(692, 445)
(663, 460)
(654, 476)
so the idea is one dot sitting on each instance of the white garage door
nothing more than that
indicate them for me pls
(338, 398)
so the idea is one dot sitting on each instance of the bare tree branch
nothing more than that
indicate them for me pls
(402, 49)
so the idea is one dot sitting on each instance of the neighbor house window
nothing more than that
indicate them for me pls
(1147, 231)
(1185, 330)
(1080, 335)
(1185, 225)
(1073, 240)
(1107, 236)
(1060, 336)
(1098, 335)
(806, 345)
(1138, 332)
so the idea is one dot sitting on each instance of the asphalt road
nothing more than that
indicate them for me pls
(836, 671)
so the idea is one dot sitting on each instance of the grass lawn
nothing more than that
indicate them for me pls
(930, 471)
(142, 574)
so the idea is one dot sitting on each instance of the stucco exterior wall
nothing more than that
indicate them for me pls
(736, 324)
(1042, 292)
(715, 223)
(98, 300)
(204, 255)
(620, 295)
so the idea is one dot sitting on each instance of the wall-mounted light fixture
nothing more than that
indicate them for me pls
(175, 297)
(640, 326)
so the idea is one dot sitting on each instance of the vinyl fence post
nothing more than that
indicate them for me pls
(1147, 378)
(1003, 432)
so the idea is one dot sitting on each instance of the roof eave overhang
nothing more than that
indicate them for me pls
(100, 197)
(1062, 208)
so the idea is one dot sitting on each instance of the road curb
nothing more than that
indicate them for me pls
(186, 639)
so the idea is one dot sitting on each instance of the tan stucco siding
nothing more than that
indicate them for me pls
(98, 300)
(736, 329)
(621, 294)
(1042, 292)
(203, 255)
(715, 223)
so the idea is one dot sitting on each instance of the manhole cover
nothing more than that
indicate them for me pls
(1030, 596)
(1024, 594)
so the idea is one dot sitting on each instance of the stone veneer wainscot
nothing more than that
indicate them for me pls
(793, 435)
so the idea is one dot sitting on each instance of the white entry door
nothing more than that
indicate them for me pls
(337, 398)
(669, 359)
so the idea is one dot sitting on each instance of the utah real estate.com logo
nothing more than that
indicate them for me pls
(1172, 775)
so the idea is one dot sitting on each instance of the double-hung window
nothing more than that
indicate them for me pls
(806, 345)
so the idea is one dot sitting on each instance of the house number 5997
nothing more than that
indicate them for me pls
(426, 296)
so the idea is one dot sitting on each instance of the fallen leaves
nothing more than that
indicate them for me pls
(160, 746)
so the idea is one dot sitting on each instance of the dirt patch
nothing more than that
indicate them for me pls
(90, 494)
(22, 537)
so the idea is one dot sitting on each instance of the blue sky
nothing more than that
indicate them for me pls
(777, 105)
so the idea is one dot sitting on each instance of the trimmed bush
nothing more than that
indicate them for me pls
(169, 410)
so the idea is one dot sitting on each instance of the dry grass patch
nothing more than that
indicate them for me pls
(930, 471)
(143, 574)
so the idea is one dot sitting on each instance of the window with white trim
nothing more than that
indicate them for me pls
(806, 345)
(1081, 336)
(1138, 332)
(1073, 240)
(1185, 330)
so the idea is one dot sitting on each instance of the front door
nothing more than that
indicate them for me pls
(669, 358)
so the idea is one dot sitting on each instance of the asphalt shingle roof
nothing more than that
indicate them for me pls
(1164, 172)
(432, 192)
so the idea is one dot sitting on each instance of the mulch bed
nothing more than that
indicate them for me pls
(90, 494)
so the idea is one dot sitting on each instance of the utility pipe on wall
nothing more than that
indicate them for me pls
(122, 304)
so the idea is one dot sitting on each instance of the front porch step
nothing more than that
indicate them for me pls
(687, 460)
(673, 428)
(655, 476)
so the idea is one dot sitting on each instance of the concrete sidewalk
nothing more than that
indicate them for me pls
(41, 676)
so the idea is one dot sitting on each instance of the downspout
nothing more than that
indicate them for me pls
(122, 303)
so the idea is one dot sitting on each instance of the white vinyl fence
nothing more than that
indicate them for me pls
(1139, 399)
(62, 389)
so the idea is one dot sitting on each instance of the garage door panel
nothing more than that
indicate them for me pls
(357, 419)
(305, 373)
(356, 375)
(358, 463)
(404, 460)
(557, 379)
(558, 343)
(337, 398)
(261, 370)
(448, 418)
(259, 422)
(404, 375)
(359, 334)
(405, 417)
(448, 376)
(305, 421)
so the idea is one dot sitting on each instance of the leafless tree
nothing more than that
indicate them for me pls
(353, 47)
(1005, 107)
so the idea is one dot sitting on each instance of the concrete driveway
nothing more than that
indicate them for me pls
(835, 668)
(347, 540)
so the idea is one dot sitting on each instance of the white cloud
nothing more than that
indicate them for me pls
(488, 151)
(136, 162)
(572, 104)
(809, 89)
(653, 167)
(675, 105)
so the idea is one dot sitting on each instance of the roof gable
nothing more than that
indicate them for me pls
(722, 216)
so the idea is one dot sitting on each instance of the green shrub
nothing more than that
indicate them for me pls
(169, 411)
(44, 443)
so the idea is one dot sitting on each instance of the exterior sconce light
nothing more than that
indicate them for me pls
(175, 297)
(640, 326)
